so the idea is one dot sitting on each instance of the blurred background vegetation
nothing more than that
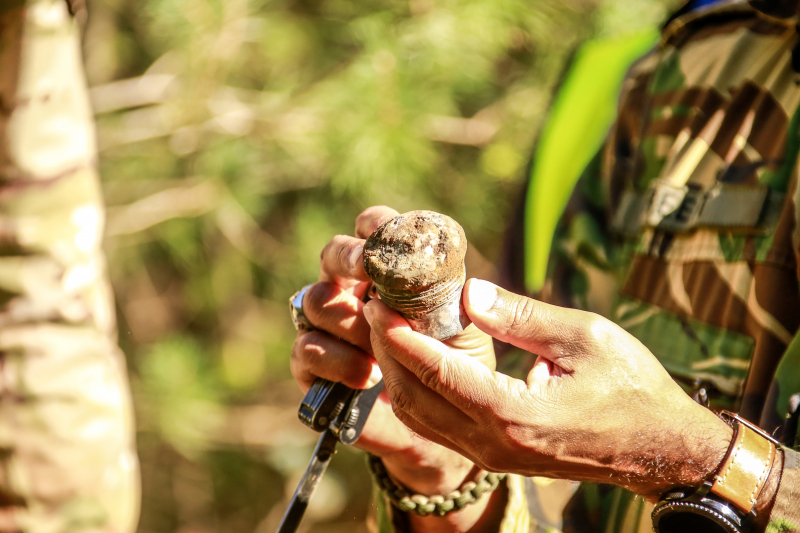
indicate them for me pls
(236, 137)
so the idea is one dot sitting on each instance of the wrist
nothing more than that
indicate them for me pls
(484, 516)
(692, 455)
(741, 492)
(476, 506)
(429, 475)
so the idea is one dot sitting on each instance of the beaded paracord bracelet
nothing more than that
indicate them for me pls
(468, 493)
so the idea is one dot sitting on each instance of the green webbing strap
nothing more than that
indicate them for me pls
(752, 209)
(580, 118)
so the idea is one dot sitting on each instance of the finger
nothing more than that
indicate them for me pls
(333, 309)
(384, 433)
(318, 354)
(550, 331)
(476, 344)
(372, 217)
(420, 408)
(542, 370)
(461, 380)
(342, 263)
(423, 432)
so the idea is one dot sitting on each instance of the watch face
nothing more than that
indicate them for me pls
(687, 517)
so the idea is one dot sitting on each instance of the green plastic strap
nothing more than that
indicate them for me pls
(580, 118)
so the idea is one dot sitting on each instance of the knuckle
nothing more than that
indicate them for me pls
(344, 246)
(383, 343)
(403, 416)
(372, 217)
(326, 251)
(400, 407)
(302, 357)
(372, 213)
(597, 330)
(365, 216)
(437, 375)
(335, 249)
(522, 316)
(309, 349)
(296, 355)
(315, 297)
(401, 401)
(429, 374)
(299, 346)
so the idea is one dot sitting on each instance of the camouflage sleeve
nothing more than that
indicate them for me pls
(579, 275)
(785, 515)
(66, 427)
(581, 272)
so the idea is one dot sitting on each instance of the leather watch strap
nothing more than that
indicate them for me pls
(746, 466)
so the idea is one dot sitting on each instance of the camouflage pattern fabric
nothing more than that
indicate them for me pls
(67, 458)
(685, 230)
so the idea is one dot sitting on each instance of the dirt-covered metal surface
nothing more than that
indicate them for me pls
(415, 250)
(417, 263)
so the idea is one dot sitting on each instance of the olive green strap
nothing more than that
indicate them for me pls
(681, 209)
(470, 492)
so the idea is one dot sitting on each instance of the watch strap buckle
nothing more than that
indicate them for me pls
(747, 464)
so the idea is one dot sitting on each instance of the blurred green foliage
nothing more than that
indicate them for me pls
(236, 138)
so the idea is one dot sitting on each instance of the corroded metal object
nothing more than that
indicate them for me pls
(417, 263)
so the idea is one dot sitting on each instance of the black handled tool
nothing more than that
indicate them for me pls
(340, 413)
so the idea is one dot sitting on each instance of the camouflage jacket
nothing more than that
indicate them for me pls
(685, 230)
(68, 461)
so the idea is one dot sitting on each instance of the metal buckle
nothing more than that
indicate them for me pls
(674, 209)
(729, 417)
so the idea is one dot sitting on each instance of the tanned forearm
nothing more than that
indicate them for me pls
(690, 457)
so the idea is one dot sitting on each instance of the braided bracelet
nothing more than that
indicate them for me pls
(470, 492)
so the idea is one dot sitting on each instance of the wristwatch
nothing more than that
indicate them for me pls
(724, 504)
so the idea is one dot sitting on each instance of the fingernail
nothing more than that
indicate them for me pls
(355, 257)
(369, 314)
(482, 294)
(375, 376)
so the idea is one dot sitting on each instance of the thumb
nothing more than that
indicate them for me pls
(553, 332)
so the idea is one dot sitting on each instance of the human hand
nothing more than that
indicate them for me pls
(596, 406)
(339, 350)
